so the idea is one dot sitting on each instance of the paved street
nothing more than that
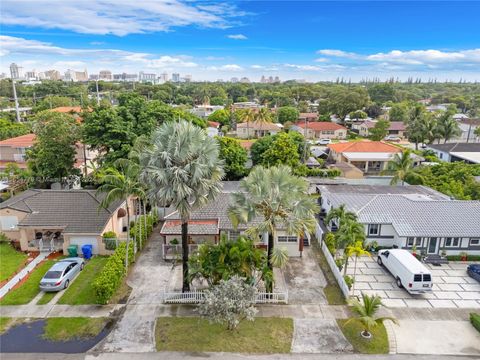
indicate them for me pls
(452, 288)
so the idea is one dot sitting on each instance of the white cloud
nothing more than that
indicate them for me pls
(411, 57)
(322, 60)
(237, 37)
(338, 53)
(117, 17)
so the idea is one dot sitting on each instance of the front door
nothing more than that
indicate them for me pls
(433, 245)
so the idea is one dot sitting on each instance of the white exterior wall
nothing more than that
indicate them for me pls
(291, 247)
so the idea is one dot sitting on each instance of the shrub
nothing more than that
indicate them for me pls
(475, 320)
(110, 240)
(229, 302)
(330, 242)
(110, 278)
(349, 281)
(3, 237)
(459, 257)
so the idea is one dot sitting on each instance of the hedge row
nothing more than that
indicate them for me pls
(475, 320)
(460, 257)
(137, 231)
(110, 278)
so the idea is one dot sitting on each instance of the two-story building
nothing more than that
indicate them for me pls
(13, 150)
(257, 129)
(408, 216)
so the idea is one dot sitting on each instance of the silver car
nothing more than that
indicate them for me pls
(61, 274)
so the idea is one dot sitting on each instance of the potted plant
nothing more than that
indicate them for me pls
(444, 253)
(174, 242)
(463, 256)
(414, 250)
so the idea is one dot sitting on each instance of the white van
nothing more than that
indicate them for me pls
(407, 270)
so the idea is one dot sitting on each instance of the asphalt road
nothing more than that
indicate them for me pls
(222, 356)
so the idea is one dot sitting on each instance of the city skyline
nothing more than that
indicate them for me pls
(315, 41)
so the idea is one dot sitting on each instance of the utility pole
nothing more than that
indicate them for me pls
(17, 110)
(98, 96)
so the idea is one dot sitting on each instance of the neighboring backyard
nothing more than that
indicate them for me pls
(11, 261)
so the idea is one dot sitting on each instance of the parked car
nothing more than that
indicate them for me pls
(408, 272)
(60, 275)
(473, 270)
(323, 141)
(392, 138)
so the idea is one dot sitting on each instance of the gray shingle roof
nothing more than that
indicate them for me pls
(457, 147)
(76, 211)
(413, 214)
(172, 228)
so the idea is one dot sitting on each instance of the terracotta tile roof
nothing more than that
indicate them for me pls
(321, 126)
(308, 115)
(68, 109)
(246, 144)
(397, 125)
(213, 124)
(19, 141)
(364, 146)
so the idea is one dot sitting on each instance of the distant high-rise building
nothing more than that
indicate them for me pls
(234, 79)
(175, 77)
(147, 77)
(105, 75)
(53, 75)
(263, 80)
(31, 75)
(163, 77)
(125, 77)
(93, 77)
(70, 75)
(81, 75)
(245, 80)
(277, 79)
(187, 78)
(15, 71)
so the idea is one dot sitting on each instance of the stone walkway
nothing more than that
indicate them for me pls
(21, 274)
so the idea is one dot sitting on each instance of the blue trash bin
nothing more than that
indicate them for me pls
(87, 251)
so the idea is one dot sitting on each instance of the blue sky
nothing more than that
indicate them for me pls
(313, 40)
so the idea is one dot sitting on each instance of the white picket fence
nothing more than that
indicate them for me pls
(195, 297)
(331, 263)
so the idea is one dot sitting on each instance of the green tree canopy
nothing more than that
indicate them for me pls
(9, 129)
(52, 157)
(234, 156)
(380, 130)
(287, 113)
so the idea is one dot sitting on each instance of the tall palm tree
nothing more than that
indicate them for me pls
(401, 165)
(366, 311)
(182, 168)
(120, 182)
(341, 215)
(247, 116)
(416, 124)
(263, 116)
(274, 197)
(348, 234)
(431, 129)
(448, 127)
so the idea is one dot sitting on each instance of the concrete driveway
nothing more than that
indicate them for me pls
(452, 288)
(437, 337)
(304, 280)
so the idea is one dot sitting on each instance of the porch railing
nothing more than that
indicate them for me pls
(46, 245)
(196, 297)
(172, 252)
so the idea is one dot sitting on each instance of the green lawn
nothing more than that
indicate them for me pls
(263, 336)
(377, 344)
(7, 323)
(64, 329)
(10, 260)
(46, 298)
(29, 289)
(80, 292)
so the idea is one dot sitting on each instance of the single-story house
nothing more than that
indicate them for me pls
(404, 216)
(451, 152)
(397, 128)
(257, 129)
(55, 219)
(321, 130)
(209, 223)
(372, 157)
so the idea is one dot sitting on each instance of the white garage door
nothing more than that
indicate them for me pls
(84, 240)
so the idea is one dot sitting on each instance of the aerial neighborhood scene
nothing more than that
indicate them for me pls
(239, 180)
